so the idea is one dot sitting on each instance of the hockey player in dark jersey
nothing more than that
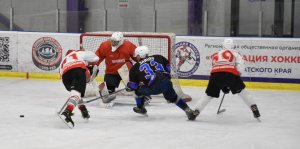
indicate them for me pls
(151, 76)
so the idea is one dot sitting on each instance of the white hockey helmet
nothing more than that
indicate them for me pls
(116, 40)
(141, 51)
(69, 51)
(228, 43)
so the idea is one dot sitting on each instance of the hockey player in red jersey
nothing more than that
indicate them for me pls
(75, 73)
(227, 66)
(116, 51)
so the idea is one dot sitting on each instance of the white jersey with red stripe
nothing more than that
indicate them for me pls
(227, 60)
(78, 59)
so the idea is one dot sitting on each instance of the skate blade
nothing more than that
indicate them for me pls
(146, 115)
(221, 111)
(86, 120)
(68, 124)
(258, 119)
(106, 105)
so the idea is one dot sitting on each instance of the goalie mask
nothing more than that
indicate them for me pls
(116, 40)
(228, 44)
(141, 51)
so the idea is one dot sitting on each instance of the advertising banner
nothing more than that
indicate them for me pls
(266, 59)
(43, 52)
(8, 51)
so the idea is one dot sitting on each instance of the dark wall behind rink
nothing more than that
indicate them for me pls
(273, 18)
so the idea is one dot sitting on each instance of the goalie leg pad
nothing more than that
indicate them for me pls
(104, 92)
(124, 72)
(91, 89)
(109, 98)
(103, 89)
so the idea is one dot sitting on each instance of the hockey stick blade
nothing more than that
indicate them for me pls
(221, 111)
(88, 101)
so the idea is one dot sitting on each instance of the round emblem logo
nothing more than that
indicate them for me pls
(187, 59)
(46, 53)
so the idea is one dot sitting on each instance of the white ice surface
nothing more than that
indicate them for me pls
(166, 127)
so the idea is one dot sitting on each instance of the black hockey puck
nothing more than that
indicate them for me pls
(21, 115)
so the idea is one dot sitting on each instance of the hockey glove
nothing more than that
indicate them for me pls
(93, 69)
(226, 90)
(131, 86)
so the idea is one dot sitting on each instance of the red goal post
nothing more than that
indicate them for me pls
(158, 43)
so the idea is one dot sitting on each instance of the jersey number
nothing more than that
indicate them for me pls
(223, 56)
(147, 68)
(70, 58)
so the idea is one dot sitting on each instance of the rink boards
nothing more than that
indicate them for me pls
(270, 63)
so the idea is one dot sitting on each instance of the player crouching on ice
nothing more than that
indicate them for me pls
(76, 72)
(227, 66)
(151, 76)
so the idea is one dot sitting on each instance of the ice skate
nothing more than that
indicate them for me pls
(191, 114)
(66, 117)
(139, 110)
(255, 111)
(84, 112)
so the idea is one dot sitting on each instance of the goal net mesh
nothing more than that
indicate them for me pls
(158, 43)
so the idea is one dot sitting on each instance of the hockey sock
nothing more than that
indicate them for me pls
(70, 107)
(82, 107)
(246, 98)
(139, 102)
(202, 103)
(73, 100)
(182, 104)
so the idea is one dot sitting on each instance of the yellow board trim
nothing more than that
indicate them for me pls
(183, 82)
(4, 74)
(249, 85)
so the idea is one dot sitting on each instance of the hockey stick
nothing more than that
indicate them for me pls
(88, 101)
(222, 110)
(62, 108)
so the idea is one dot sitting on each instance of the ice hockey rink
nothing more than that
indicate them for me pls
(166, 127)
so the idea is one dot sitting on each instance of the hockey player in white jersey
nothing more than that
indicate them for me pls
(227, 67)
(75, 73)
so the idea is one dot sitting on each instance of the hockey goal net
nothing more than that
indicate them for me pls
(158, 43)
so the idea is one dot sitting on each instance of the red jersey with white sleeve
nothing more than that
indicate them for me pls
(227, 60)
(115, 60)
(78, 59)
